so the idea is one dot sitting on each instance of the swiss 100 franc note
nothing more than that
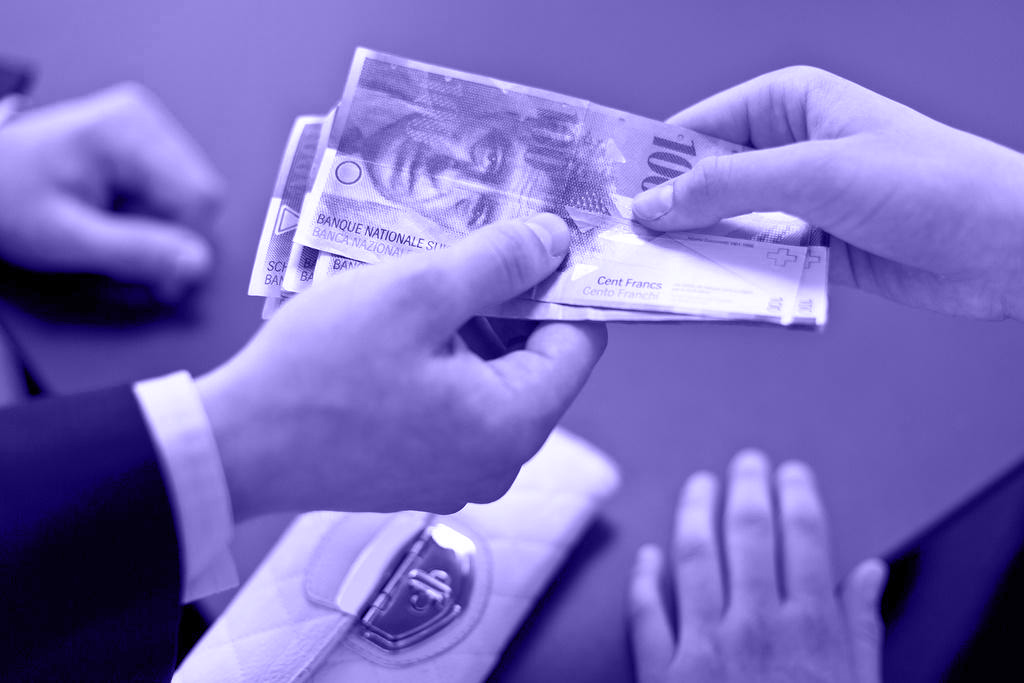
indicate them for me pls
(419, 156)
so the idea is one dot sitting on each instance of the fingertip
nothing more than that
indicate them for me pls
(187, 266)
(648, 566)
(492, 265)
(193, 260)
(652, 204)
(649, 626)
(588, 343)
(873, 574)
(864, 585)
(552, 232)
(548, 374)
(596, 334)
(749, 460)
(701, 483)
(583, 342)
(861, 597)
(649, 559)
(879, 567)
(794, 471)
(697, 502)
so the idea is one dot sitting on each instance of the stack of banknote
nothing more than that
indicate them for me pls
(414, 157)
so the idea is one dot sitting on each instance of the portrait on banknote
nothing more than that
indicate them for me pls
(465, 154)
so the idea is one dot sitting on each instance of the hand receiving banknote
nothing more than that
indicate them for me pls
(925, 214)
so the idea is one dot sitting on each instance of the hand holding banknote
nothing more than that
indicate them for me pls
(359, 395)
(931, 216)
(107, 184)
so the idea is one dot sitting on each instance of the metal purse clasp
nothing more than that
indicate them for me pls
(429, 588)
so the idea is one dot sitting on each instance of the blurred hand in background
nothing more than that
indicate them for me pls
(927, 215)
(747, 611)
(108, 184)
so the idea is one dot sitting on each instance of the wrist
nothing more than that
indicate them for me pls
(227, 421)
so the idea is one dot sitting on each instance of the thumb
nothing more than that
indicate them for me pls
(861, 595)
(168, 257)
(799, 179)
(497, 263)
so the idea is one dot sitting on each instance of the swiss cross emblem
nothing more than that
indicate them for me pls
(781, 257)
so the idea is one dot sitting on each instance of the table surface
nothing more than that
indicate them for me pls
(903, 413)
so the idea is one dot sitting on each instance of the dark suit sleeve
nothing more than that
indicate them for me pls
(89, 565)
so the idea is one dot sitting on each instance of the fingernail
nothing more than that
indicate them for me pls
(552, 232)
(654, 203)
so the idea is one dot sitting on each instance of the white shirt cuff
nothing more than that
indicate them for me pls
(195, 480)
